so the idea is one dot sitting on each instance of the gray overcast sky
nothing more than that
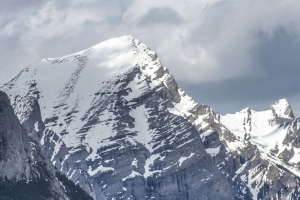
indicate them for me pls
(228, 54)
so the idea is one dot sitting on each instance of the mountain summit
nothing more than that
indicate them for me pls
(117, 123)
(283, 109)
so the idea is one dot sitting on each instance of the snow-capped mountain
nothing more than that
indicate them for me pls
(274, 131)
(117, 123)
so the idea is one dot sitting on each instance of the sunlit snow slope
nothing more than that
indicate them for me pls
(263, 128)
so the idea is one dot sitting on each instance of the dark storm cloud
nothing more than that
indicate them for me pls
(279, 58)
(163, 15)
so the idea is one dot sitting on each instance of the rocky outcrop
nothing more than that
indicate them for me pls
(28, 112)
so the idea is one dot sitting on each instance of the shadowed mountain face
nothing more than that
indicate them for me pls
(24, 171)
(116, 122)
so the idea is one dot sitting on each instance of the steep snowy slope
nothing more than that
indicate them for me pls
(117, 123)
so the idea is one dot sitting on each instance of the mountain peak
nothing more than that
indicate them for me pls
(282, 108)
(113, 45)
(94, 68)
(245, 110)
(117, 41)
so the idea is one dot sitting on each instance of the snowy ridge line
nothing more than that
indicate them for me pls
(262, 128)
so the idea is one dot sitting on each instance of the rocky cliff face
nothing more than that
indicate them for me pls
(15, 154)
(116, 122)
(24, 171)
